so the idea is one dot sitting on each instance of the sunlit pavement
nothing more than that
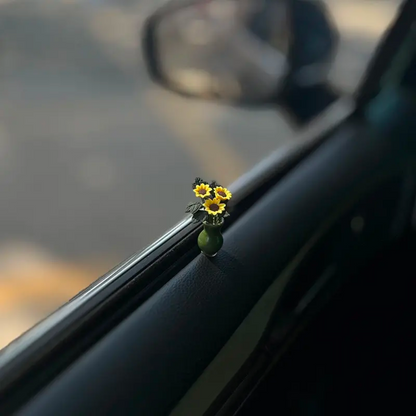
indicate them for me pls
(95, 161)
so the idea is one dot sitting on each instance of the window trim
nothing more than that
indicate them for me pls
(386, 50)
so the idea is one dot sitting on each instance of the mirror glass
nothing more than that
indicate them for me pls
(235, 50)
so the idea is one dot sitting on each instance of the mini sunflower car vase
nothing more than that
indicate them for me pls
(210, 211)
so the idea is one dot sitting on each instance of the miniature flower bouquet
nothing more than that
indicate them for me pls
(210, 211)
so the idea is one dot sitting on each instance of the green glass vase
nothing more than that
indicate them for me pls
(210, 240)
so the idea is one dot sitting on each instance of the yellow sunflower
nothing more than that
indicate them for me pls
(222, 194)
(214, 206)
(203, 190)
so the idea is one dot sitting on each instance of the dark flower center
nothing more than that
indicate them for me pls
(202, 191)
(222, 193)
(214, 207)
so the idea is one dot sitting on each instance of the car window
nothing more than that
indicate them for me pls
(96, 160)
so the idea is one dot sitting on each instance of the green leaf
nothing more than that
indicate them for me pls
(197, 181)
(194, 207)
(214, 184)
(188, 207)
(226, 214)
(200, 216)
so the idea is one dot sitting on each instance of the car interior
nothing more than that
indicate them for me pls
(306, 310)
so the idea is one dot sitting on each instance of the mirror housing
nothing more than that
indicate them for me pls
(245, 52)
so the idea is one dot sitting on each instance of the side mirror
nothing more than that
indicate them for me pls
(244, 52)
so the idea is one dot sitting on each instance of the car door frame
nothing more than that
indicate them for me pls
(91, 315)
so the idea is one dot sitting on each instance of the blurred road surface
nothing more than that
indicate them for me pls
(95, 161)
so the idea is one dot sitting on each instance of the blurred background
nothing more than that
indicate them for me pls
(96, 162)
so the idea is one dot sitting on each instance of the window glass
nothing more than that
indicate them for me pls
(96, 161)
(361, 24)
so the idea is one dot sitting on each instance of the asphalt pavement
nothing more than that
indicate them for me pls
(96, 162)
